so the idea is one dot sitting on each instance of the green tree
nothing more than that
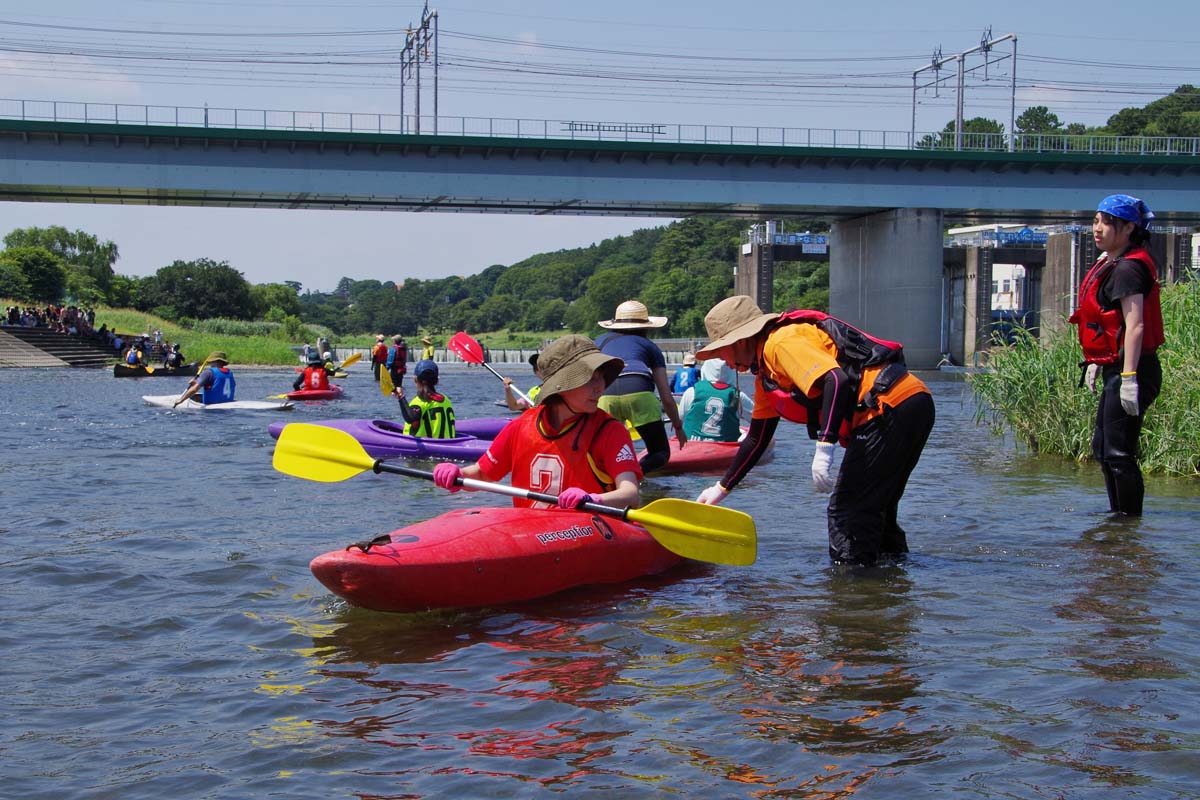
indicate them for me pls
(1038, 119)
(43, 271)
(12, 279)
(200, 289)
(87, 260)
(274, 300)
(979, 133)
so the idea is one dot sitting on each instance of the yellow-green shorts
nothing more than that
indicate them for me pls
(637, 409)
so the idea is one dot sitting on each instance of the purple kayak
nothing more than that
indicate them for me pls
(382, 438)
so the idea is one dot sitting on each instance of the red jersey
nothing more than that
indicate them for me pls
(589, 453)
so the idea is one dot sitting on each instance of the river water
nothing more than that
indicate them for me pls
(163, 637)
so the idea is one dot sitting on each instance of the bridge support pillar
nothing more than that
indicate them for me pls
(885, 276)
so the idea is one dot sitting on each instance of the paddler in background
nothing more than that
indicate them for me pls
(686, 376)
(712, 408)
(515, 403)
(631, 397)
(565, 445)
(882, 414)
(378, 356)
(315, 375)
(430, 414)
(427, 349)
(214, 381)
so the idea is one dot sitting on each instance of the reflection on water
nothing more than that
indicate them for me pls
(163, 635)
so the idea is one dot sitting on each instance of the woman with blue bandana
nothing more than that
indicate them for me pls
(1120, 329)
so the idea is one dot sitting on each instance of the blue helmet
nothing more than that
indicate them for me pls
(1128, 208)
(425, 367)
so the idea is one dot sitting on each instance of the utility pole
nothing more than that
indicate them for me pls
(417, 48)
(939, 61)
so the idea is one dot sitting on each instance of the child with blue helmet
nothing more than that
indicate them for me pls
(430, 414)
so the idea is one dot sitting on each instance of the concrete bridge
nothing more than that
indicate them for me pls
(888, 206)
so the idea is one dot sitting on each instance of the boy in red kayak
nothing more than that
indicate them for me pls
(565, 445)
(315, 375)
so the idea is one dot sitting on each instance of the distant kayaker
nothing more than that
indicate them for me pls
(807, 371)
(1120, 330)
(712, 408)
(379, 354)
(397, 360)
(430, 414)
(173, 359)
(133, 356)
(427, 349)
(214, 381)
(685, 377)
(565, 445)
(631, 398)
(315, 375)
(515, 403)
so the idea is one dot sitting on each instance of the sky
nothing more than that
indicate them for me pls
(846, 65)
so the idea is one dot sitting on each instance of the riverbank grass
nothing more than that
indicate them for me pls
(1032, 389)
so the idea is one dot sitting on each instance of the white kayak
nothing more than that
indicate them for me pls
(168, 401)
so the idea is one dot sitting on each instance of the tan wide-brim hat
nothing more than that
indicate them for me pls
(215, 357)
(426, 340)
(731, 320)
(632, 315)
(569, 363)
(689, 359)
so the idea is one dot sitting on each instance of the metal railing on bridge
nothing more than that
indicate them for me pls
(581, 130)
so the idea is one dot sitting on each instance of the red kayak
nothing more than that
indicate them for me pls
(489, 556)
(334, 392)
(705, 457)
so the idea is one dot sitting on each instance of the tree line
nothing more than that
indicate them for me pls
(1176, 115)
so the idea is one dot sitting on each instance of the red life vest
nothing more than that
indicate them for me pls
(857, 350)
(316, 378)
(1102, 331)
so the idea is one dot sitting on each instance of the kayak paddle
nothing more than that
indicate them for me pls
(385, 380)
(692, 530)
(471, 351)
(354, 358)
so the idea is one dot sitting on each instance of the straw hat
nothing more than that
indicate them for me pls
(569, 362)
(426, 340)
(689, 359)
(731, 320)
(632, 315)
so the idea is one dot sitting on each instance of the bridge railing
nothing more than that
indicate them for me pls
(582, 130)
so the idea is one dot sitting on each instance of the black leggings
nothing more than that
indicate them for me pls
(1115, 438)
(658, 446)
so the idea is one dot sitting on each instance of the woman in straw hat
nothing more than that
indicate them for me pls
(631, 396)
(815, 369)
(426, 349)
(379, 354)
(564, 445)
(214, 381)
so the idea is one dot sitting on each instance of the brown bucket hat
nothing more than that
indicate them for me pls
(569, 362)
(632, 315)
(216, 356)
(730, 320)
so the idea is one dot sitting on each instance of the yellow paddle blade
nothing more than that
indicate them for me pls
(698, 531)
(276, 396)
(353, 359)
(385, 380)
(318, 453)
(633, 432)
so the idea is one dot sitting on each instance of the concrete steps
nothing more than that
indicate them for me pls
(40, 347)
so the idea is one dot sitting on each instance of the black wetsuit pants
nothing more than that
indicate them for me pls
(881, 455)
(1115, 438)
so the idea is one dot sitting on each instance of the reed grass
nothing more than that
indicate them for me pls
(1032, 388)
